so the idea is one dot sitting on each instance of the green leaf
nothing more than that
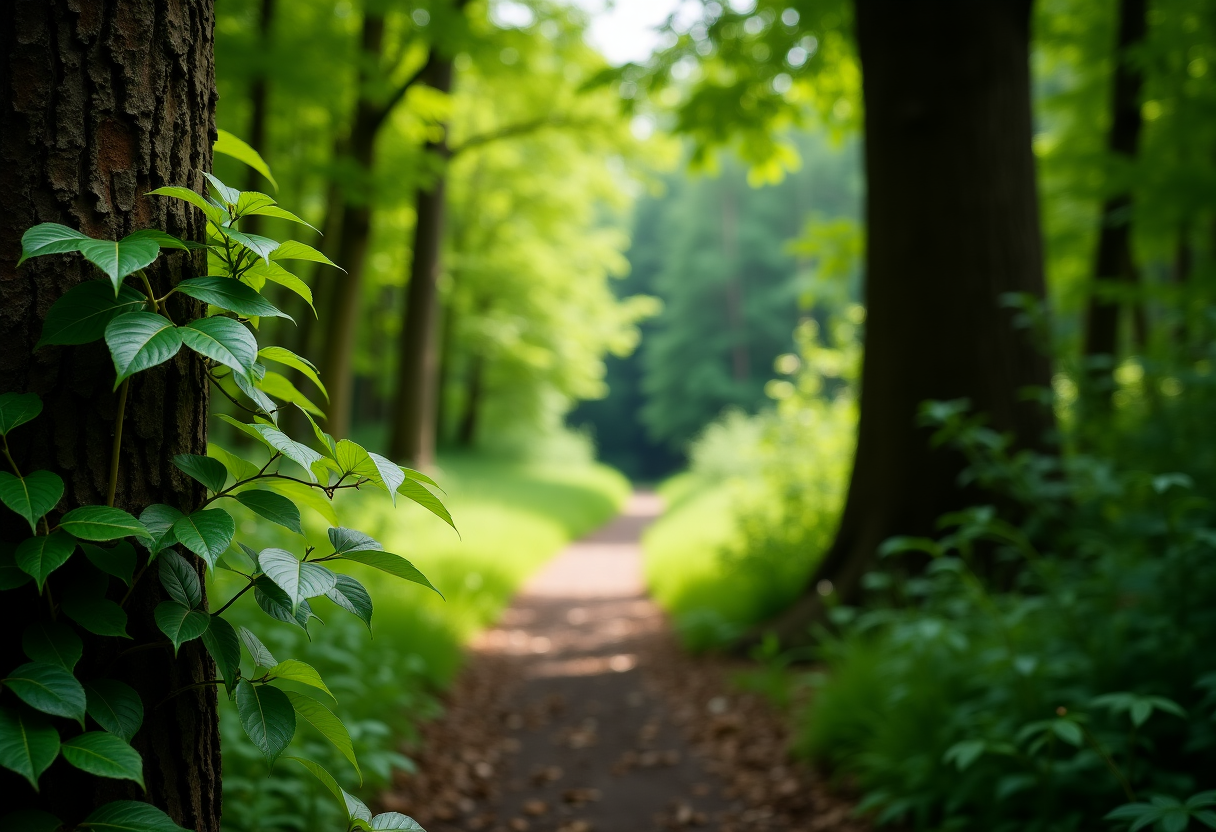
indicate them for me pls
(104, 755)
(232, 295)
(260, 272)
(162, 239)
(261, 656)
(293, 670)
(224, 341)
(323, 719)
(426, 499)
(390, 477)
(278, 386)
(274, 507)
(1068, 731)
(298, 453)
(222, 643)
(48, 688)
(964, 753)
(351, 596)
(49, 238)
(230, 196)
(96, 614)
(140, 340)
(295, 250)
(207, 533)
(259, 245)
(52, 643)
(396, 821)
(230, 145)
(84, 311)
(11, 575)
(393, 565)
(17, 409)
(277, 604)
(42, 555)
(356, 808)
(118, 560)
(305, 496)
(247, 429)
(219, 216)
(180, 580)
(158, 519)
(247, 386)
(102, 523)
(280, 213)
(180, 623)
(31, 496)
(130, 816)
(31, 820)
(267, 717)
(418, 476)
(120, 259)
(210, 472)
(300, 580)
(251, 201)
(115, 706)
(351, 540)
(238, 467)
(28, 743)
(287, 358)
(326, 779)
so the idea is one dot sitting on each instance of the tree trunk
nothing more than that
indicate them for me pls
(466, 434)
(1114, 261)
(103, 100)
(413, 436)
(258, 110)
(952, 225)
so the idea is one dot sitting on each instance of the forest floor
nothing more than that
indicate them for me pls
(579, 712)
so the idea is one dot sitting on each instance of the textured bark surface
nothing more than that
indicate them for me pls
(952, 225)
(1113, 259)
(101, 101)
(413, 434)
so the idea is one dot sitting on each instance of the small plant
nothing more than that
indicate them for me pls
(48, 712)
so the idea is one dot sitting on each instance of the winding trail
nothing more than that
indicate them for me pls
(577, 713)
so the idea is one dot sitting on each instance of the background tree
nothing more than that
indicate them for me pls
(100, 102)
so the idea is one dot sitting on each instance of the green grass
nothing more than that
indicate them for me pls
(512, 517)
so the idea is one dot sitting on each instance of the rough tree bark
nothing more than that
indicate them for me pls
(1113, 260)
(101, 101)
(952, 225)
(413, 429)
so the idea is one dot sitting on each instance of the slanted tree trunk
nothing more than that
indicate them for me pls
(1114, 261)
(952, 225)
(101, 101)
(413, 425)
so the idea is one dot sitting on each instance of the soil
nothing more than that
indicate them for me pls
(578, 712)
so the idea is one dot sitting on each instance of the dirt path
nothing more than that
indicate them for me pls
(577, 713)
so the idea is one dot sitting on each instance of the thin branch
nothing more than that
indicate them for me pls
(232, 600)
(511, 131)
(114, 452)
(386, 107)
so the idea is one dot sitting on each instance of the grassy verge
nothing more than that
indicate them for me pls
(512, 517)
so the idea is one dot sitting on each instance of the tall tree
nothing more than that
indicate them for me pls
(101, 101)
(259, 92)
(1114, 261)
(952, 226)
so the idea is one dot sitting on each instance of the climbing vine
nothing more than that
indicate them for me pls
(47, 711)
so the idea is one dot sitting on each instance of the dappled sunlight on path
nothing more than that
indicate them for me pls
(566, 719)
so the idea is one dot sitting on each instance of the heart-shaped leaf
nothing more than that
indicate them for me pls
(224, 341)
(158, 519)
(180, 580)
(50, 238)
(117, 560)
(104, 755)
(17, 409)
(31, 496)
(350, 540)
(120, 259)
(140, 340)
(129, 816)
(267, 717)
(48, 688)
(52, 643)
(84, 311)
(277, 604)
(232, 295)
(274, 507)
(101, 523)
(180, 623)
(28, 743)
(210, 472)
(96, 614)
(351, 596)
(207, 533)
(297, 578)
(115, 706)
(42, 555)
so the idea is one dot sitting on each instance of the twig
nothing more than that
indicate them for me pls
(122, 409)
